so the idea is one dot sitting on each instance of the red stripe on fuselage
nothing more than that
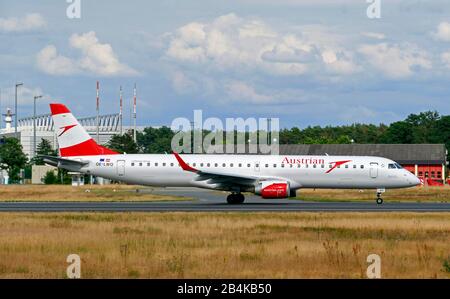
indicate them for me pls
(86, 148)
(336, 164)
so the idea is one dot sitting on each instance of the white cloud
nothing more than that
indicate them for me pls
(25, 96)
(374, 35)
(30, 22)
(97, 58)
(181, 83)
(445, 57)
(50, 62)
(232, 43)
(396, 61)
(242, 92)
(442, 32)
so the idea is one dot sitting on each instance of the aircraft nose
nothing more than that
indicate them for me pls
(414, 180)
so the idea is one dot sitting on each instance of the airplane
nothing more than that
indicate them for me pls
(269, 176)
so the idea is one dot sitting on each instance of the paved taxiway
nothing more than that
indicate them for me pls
(206, 201)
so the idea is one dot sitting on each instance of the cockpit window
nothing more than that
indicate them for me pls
(391, 166)
(398, 166)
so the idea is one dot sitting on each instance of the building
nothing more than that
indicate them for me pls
(426, 161)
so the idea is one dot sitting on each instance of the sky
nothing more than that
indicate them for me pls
(306, 62)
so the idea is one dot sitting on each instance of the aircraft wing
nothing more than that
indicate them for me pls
(222, 179)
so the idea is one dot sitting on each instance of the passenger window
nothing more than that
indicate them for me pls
(282, 165)
(208, 164)
(362, 166)
(156, 164)
(307, 165)
(171, 164)
(140, 164)
(231, 164)
(298, 165)
(331, 166)
(291, 165)
(223, 164)
(148, 164)
(256, 165)
(354, 166)
(201, 164)
(248, 165)
(132, 164)
(240, 165)
(215, 165)
(193, 164)
(267, 165)
(164, 164)
(314, 165)
(322, 166)
(274, 165)
(346, 166)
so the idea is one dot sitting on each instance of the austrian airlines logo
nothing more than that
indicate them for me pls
(336, 164)
(65, 129)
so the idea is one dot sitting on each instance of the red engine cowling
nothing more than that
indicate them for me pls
(273, 189)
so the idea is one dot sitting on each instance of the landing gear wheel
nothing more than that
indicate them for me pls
(235, 198)
(379, 200)
(240, 197)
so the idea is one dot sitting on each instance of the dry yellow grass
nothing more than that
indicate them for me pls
(216, 245)
(416, 194)
(69, 193)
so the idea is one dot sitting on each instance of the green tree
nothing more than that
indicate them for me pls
(50, 178)
(156, 140)
(398, 132)
(123, 143)
(43, 148)
(12, 158)
(422, 125)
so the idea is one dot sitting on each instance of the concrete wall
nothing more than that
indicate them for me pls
(38, 172)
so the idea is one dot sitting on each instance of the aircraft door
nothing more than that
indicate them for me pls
(373, 170)
(121, 167)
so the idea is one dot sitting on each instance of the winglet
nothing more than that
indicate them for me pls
(183, 164)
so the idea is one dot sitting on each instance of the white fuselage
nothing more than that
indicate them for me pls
(300, 171)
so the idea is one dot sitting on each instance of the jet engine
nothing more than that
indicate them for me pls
(273, 189)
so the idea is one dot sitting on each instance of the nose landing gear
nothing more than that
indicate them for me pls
(379, 200)
(235, 198)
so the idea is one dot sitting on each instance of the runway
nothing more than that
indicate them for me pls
(210, 201)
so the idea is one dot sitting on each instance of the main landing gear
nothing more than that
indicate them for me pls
(379, 192)
(235, 198)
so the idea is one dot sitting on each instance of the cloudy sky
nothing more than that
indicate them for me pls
(308, 62)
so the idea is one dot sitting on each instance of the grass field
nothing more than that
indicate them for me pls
(225, 245)
(84, 193)
(416, 194)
